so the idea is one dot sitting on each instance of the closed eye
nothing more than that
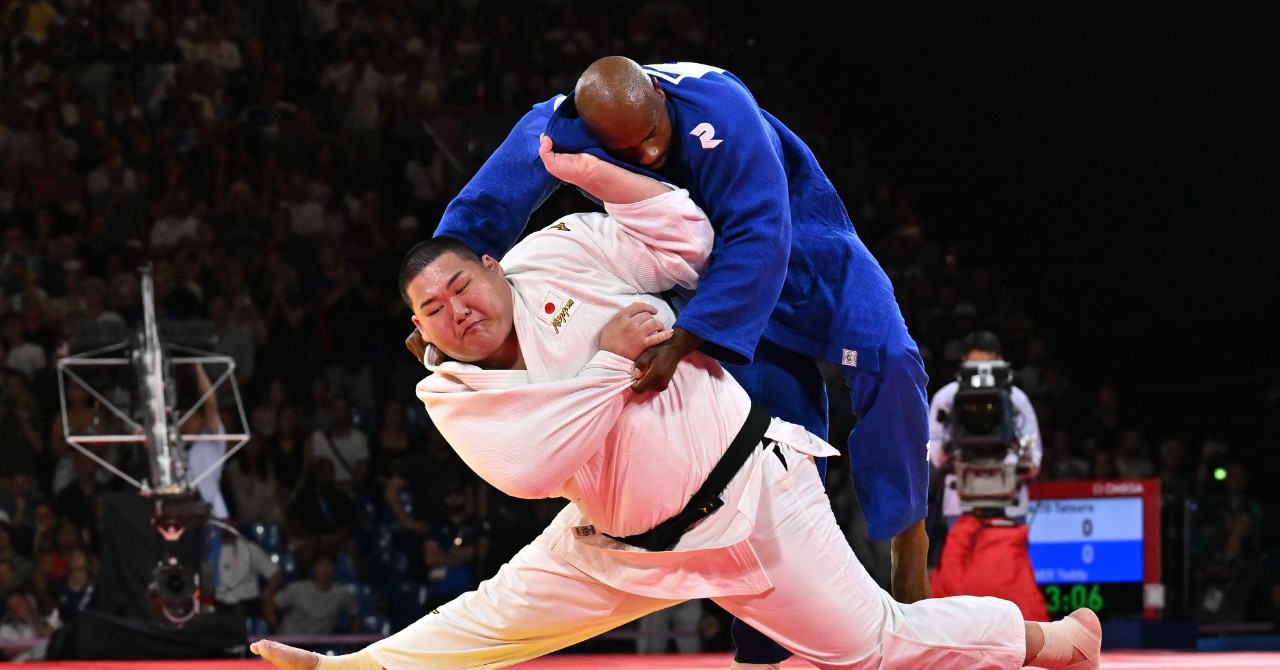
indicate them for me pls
(460, 290)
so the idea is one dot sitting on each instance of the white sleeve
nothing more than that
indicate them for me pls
(362, 445)
(657, 243)
(1028, 426)
(528, 440)
(940, 431)
(259, 561)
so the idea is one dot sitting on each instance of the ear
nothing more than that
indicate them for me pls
(417, 324)
(491, 264)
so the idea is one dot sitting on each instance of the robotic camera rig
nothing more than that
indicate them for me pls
(135, 373)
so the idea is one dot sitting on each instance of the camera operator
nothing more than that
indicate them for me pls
(983, 346)
(984, 435)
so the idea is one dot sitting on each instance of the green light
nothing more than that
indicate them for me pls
(1219, 473)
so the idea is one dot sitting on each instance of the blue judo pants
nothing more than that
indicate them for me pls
(888, 447)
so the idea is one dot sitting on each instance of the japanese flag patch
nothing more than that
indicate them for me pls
(556, 310)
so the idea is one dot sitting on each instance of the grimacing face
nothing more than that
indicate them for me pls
(464, 308)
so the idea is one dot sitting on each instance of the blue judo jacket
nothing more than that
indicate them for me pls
(788, 265)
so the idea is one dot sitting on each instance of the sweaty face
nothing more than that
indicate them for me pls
(639, 135)
(464, 308)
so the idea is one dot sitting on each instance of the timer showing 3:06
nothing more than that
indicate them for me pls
(1061, 599)
(1111, 600)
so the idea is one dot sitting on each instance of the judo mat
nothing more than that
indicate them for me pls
(1111, 660)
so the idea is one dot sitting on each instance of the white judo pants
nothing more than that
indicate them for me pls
(824, 607)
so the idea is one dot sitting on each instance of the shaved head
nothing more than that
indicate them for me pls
(626, 110)
(612, 85)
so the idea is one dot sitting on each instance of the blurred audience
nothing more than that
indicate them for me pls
(312, 606)
(273, 163)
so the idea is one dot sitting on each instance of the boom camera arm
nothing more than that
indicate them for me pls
(151, 417)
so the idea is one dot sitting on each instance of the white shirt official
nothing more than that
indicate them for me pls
(1025, 429)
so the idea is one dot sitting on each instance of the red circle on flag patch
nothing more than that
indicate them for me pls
(550, 307)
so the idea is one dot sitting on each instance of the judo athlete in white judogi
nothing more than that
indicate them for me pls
(531, 363)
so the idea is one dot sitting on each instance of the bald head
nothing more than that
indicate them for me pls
(626, 110)
(612, 85)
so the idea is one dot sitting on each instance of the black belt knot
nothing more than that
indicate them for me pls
(707, 499)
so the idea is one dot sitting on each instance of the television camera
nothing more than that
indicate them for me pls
(989, 460)
(131, 376)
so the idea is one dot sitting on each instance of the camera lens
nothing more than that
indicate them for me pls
(176, 583)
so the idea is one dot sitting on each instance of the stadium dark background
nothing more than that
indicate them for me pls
(1113, 166)
(1117, 163)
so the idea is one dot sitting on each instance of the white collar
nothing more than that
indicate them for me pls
(472, 375)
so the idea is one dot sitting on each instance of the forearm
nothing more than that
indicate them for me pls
(909, 553)
(586, 409)
(209, 406)
(602, 180)
(737, 293)
(745, 194)
(491, 211)
(684, 341)
(610, 183)
(391, 495)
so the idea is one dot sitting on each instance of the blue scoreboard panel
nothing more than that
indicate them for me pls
(1096, 544)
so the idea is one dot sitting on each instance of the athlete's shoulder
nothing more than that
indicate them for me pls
(564, 238)
(705, 100)
(677, 72)
(694, 79)
(548, 107)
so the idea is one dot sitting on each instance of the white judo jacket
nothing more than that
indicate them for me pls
(570, 425)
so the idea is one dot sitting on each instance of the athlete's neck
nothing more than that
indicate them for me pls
(508, 357)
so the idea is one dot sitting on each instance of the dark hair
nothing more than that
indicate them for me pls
(425, 253)
(982, 340)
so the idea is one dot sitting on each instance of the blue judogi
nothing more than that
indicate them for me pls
(789, 282)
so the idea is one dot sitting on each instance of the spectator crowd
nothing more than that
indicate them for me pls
(272, 161)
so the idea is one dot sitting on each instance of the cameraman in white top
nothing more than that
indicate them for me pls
(983, 346)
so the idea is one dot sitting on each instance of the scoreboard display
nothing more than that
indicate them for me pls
(1096, 544)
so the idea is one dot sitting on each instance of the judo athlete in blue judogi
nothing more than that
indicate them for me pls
(790, 282)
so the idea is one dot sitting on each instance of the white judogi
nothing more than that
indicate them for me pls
(570, 426)
(573, 419)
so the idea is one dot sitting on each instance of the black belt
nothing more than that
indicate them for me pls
(707, 500)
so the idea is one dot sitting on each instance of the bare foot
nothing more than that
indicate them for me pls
(754, 666)
(285, 657)
(1087, 640)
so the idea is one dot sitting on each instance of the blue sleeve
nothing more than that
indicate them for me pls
(744, 189)
(493, 209)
